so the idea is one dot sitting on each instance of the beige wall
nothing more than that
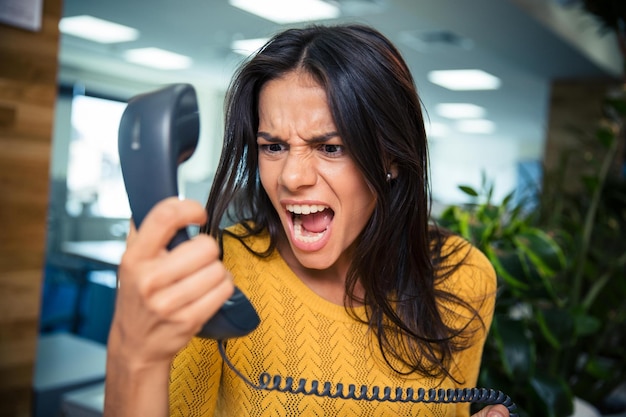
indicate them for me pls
(28, 69)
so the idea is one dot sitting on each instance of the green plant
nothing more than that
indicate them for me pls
(559, 327)
(591, 221)
(526, 260)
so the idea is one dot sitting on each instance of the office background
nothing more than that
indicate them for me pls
(544, 52)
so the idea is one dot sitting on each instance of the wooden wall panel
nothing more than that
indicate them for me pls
(575, 110)
(28, 71)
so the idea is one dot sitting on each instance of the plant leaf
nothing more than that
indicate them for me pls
(502, 265)
(468, 190)
(516, 350)
(554, 393)
(600, 369)
(507, 199)
(605, 136)
(556, 325)
(590, 183)
(618, 105)
(542, 250)
(585, 324)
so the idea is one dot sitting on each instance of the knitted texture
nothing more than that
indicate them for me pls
(304, 336)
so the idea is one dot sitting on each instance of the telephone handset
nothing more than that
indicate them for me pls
(158, 131)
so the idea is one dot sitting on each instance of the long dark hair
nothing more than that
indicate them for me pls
(378, 115)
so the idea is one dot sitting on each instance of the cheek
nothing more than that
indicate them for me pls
(268, 177)
(366, 199)
(368, 203)
(362, 193)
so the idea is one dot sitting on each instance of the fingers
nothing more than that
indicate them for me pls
(198, 312)
(162, 223)
(165, 296)
(498, 410)
(172, 280)
(184, 260)
(185, 292)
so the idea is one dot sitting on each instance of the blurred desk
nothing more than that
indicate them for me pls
(84, 402)
(103, 254)
(65, 362)
(88, 269)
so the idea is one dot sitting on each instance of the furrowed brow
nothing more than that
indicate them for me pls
(268, 137)
(322, 138)
(314, 140)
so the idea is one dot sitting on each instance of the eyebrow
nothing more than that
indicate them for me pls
(315, 139)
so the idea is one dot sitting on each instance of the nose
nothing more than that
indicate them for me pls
(298, 171)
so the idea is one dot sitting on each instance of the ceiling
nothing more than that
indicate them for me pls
(527, 43)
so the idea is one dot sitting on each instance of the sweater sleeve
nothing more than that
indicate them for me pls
(195, 378)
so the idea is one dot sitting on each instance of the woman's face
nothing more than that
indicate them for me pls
(321, 197)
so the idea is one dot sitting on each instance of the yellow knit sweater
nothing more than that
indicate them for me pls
(304, 336)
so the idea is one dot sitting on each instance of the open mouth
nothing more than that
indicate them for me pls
(310, 222)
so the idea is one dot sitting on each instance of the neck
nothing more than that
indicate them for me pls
(330, 283)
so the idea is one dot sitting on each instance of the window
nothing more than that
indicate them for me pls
(95, 185)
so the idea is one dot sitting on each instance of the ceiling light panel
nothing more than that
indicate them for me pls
(247, 46)
(157, 58)
(436, 130)
(476, 126)
(289, 11)
(464, 80)
(460, 110)
(97, 30)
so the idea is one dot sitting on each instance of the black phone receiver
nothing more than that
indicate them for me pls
(158, 131)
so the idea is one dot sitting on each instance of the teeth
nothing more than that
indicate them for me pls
(305, 208)
(309, 237)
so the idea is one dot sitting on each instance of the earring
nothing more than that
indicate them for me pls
(388, 177)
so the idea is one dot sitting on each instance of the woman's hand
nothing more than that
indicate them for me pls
(164, 298)
(493, 411)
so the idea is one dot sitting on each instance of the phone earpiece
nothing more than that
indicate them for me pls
(158, 131)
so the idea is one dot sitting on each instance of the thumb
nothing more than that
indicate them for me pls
(493, 411)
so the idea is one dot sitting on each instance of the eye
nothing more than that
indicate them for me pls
(272, 148)
(332, 150)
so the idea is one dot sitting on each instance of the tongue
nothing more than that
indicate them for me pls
(316, 222)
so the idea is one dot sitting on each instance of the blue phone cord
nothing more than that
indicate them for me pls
(457, 395)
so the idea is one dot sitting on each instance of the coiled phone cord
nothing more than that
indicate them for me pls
(432, 395)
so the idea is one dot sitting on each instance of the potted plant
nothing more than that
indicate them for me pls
(526, 260)
(559, 327)
(591, 221)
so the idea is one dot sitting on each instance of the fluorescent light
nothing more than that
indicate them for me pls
(460, 111)
(288, 11)
(480, 126)
(157, 58)
(464, 79)
(436, 130)
(247, 46)
(97, 30)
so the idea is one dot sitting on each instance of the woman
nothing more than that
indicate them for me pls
(324, 177)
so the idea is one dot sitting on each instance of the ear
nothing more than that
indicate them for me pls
(393, 170)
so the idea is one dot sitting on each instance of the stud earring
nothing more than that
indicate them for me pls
(388, 177)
